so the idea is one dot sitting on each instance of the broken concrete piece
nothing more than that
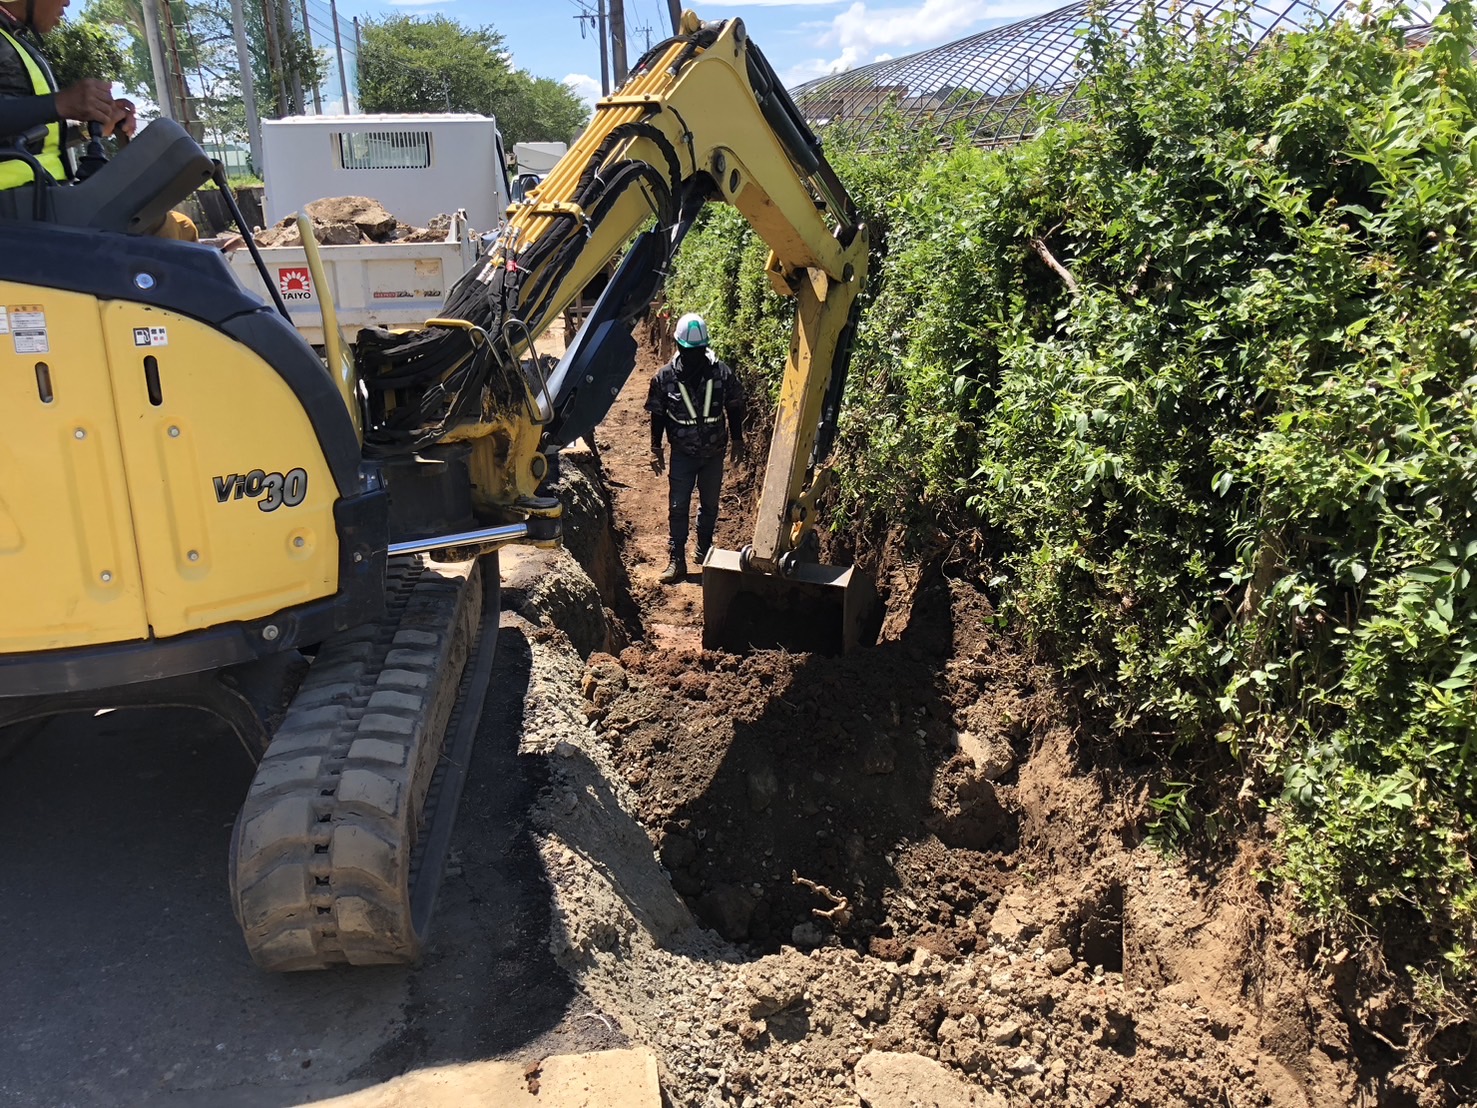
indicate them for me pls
(335, 234)
(991, 754)
(363, 212)
(1059, 961)
(607, 1079)
(888, 1080)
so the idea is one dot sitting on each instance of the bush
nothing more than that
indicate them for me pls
(1199, 364)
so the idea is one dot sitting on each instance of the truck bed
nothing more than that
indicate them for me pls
(397, 284)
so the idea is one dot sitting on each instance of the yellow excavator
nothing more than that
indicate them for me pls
(197, 509)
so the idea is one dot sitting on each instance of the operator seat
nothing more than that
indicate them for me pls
(158, 169)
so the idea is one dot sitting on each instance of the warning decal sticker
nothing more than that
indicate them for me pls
(150, 336)
(28, 330)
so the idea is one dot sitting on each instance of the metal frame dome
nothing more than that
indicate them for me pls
(997, 82)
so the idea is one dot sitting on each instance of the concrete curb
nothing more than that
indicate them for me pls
(607, 1079)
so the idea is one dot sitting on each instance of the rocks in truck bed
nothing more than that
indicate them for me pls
(366, 214)
(352, 221)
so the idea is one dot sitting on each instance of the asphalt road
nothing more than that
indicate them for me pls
(126, 981)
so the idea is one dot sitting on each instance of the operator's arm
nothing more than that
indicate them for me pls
(20, 107)
(18, 114)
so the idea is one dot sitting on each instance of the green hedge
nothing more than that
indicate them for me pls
(1229, 481)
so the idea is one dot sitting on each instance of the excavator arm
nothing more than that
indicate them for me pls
(703, 117)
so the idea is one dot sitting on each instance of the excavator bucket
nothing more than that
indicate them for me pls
(820, 609)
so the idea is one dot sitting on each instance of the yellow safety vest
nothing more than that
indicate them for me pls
(13, 172)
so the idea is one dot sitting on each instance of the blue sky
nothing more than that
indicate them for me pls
(802, 39)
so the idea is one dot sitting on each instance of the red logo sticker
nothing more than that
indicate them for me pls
(295, 283)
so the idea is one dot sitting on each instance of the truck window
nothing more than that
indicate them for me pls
(383, 149)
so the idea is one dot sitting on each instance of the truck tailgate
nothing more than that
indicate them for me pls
(397, 284)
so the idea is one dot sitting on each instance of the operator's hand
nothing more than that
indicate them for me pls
(125, 121)
(737, 451)
(658, 463)
(89, 101)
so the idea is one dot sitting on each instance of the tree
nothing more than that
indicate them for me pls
(431, 65)
(436, 64)
(207, 55)
(78, 50)
(541, 109)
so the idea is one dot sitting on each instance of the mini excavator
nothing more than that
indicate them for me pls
(198, 509)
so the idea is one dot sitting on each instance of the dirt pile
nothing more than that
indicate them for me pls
(912, 860)
(908, 876)
(352, 221)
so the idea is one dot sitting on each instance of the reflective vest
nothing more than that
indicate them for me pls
(13, 172)
(696, 421)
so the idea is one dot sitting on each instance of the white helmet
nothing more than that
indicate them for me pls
(692, 330)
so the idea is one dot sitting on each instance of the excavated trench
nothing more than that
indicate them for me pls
(891, 876)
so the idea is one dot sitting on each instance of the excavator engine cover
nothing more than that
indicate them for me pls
(815, 608)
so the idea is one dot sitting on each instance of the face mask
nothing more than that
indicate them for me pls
(693, 359)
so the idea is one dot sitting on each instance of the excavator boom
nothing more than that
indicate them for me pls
(703, 117)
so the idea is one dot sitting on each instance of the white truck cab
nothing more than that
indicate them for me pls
(417, 166)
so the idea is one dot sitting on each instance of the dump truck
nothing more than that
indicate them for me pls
(198, 509)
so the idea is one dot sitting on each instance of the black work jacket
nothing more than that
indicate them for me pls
(696, 409)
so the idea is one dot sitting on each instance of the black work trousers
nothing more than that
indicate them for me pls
(685, 471)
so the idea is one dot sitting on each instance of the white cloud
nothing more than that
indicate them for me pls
(862, 33)
(585, 87)
(418, 3)
(807, 70)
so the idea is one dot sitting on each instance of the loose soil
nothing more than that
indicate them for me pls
(906, 876)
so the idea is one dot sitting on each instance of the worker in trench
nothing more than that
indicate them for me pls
(697, 402)
(30, 99)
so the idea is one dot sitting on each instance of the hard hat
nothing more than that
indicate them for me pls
(692, 330)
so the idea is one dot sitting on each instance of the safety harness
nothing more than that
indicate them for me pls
(694, 421)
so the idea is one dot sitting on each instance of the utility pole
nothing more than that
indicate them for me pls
(177, 87)
(338, 45)
(604, 52)
(248, 87)
(274, 57)
(156, 59)
(358, 53)
(618, 41)
(308, 40)
(289, 34)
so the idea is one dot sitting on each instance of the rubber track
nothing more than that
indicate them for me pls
(322, 851)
